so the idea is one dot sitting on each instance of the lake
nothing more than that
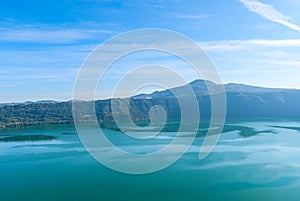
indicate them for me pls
(253, 160)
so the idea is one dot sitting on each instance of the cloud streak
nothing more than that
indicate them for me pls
(41, 33)
(41, 75)
(268, 12)
(237, 45)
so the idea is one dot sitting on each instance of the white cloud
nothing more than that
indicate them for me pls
(39, 74)
(277, 62)
(277, 43)
(268, 12)
(47, 34)
(237, 45)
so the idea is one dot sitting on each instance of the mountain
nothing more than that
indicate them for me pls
(243, 101)
(200, 88)
(232, 87)
(28, 102)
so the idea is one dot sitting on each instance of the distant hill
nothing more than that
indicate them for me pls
(28, 102)
(243, 101)
(200, 89)
(198, 86)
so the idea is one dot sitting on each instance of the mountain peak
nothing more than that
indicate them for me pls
(201, 81)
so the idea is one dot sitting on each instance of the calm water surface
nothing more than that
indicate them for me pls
(254, 160)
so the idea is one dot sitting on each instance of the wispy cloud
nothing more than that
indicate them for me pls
(237, 45)
(278, 43)
(268, 12)
(41, 33)
(41, 75)
(277, 62)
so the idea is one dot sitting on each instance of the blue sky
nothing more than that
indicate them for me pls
(43, 43)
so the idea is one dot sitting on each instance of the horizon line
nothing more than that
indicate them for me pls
(100, 99)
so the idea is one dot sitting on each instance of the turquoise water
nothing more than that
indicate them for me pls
(254, 160)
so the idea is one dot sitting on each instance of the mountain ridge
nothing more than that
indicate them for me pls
(200, 88)
(243, 101)
(238, 87)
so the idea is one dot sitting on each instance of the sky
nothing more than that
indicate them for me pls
(44, 43)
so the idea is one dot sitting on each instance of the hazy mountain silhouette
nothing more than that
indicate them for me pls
(243, 101)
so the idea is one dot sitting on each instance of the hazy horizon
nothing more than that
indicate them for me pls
(145, 92)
